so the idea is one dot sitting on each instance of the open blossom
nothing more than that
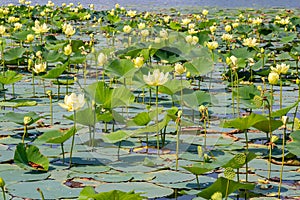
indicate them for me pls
(17, 26)
(102, 59)
(141, 26)
(227, 37)
(191, 39)
(39, 29)
(73, 102)
(179, 68)
(131, 13)
(68, 30)
(250, 42)
(185, 21)
(204, 12)
(39, 68)
(212, 45)
(273, 78)
(280, 68)
(145, 33)
(138, 62)
(157, 78)
(257, 21)
(127, 29)
(212, 28)
(163, 34)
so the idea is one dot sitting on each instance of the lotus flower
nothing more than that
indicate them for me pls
(157, 78)
(73, 102)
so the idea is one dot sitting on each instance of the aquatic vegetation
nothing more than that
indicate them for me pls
(192, 102)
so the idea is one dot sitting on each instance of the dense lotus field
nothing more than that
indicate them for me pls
(200, 103)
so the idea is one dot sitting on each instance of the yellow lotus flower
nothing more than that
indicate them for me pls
(38, 68)
(2, 30)
(145, 33)
(127, 29)
(227, 37)
(212, 29)
(102, 59)
(212, 45)
(179, 68)
(141, 26)
(73, 102)
(216, 196)
(280, 68)
(29, 38)
(257, 21)
(156, 79)
(191, 39)
(167, 19)
(185, 21)
(250, 42)
(131, 13)
(39, 29)
(68, 50)
(228, 28)
(138, 62)
(204, 12)
(17, 26)
(273, 78)
(163, 34)
(235, 24)
(68, 30)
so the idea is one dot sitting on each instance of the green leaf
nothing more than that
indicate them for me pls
(117, 136)
(244, 123)
(100, 93)
(243, 53)
(284, 111)
(220, 185)
(14, 53)
(55, 72)
(122, 68)
(199, 168)
(236, 163)
(289, 38)
(121, 96)
(88, 193)
(141, 119)
(18, 103)
(173, 86)
(56, 136)
(29, 156)
(9, 77)
(293, 146)
(264, 125)
(18, 118)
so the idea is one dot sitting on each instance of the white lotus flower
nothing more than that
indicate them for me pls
(73, 102)
(157, 78)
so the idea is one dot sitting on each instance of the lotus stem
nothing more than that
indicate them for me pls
(63, 152)
(33, 86)
(177, 140)
(156, 121)
(198, 183)
(227, 188)
(296, 110)
(280, 98)
(237, 94)
(51, 106)
(3, 193)
(247, 151)
(73, 140)
(282, 160)
(25, 134)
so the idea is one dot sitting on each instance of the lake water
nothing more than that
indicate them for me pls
(158, 4)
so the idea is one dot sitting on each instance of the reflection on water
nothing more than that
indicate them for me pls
(154, 4)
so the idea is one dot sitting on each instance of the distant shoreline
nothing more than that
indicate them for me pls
(178, 4)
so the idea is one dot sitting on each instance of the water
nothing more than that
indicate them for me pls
(155, 4)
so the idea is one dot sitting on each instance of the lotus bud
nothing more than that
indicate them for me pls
(179, 69)
(2, 182)
(297, 81)
(274, 138)
(102, 59)
(30, 38)
(273, 78)
(27, 120)
(179, 113)
(216, 196)
(68, 50)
